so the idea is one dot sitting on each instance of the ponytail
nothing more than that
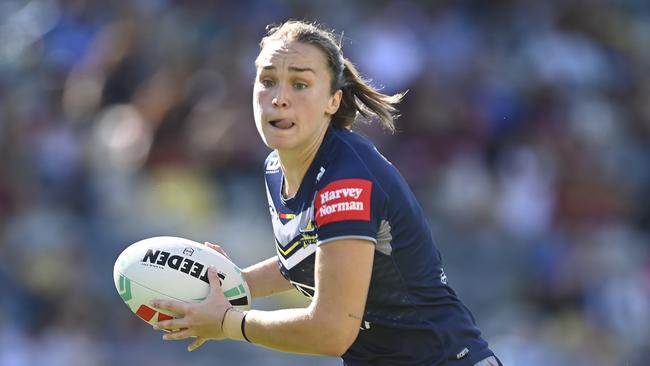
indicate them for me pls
(361, 98)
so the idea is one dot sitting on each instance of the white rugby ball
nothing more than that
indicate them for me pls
(167, 267)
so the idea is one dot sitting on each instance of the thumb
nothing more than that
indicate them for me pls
(215, 282)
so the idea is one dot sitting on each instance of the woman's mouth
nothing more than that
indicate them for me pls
(283, 124)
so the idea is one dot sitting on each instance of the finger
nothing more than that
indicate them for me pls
(177, 335)
(172, 324)
(196, 344)
(215, 285)
(217, 248)
(213, 278)
(171, 305)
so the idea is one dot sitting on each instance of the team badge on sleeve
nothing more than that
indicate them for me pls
(345, 199)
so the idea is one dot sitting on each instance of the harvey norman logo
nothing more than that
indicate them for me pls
(345, 199)
(343, 192)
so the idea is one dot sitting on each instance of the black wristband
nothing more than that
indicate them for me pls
(224, 317)
(243, 328)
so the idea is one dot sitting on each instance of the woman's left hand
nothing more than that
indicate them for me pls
(202, 320)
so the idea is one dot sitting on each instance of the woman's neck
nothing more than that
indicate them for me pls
(295, 165)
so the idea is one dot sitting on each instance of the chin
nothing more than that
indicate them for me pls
(280, 141)
(276, 143)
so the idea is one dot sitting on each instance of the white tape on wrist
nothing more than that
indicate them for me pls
(233, 324)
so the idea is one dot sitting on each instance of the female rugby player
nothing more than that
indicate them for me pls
(348, 230)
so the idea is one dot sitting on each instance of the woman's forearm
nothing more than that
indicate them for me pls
(264, 278)
(298, 331)
(330, 324)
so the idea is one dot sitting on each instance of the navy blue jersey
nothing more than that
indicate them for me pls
(412, 316)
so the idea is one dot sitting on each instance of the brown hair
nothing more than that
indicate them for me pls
(359, 97)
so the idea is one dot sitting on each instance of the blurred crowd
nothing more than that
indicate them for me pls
(525, 134)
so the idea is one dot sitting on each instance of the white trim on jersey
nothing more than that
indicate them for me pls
(297, 257)
(369, 238)
(287, 232)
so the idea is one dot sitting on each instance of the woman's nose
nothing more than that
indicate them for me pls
(280, 100)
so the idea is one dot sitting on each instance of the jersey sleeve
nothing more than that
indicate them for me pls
(349, 208)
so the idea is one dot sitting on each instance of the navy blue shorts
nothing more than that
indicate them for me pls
(382, 346)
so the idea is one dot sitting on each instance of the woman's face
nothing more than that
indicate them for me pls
(292, 102)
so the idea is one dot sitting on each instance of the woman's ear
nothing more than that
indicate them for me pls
(334, 102)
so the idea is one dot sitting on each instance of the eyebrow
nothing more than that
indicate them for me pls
(291, 68)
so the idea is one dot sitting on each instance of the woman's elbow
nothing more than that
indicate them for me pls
(339, 339)
(346, 342)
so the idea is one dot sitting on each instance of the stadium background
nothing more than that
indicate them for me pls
(525, 135)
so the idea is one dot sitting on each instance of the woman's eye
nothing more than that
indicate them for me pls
(267, 83)
(300, 86)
